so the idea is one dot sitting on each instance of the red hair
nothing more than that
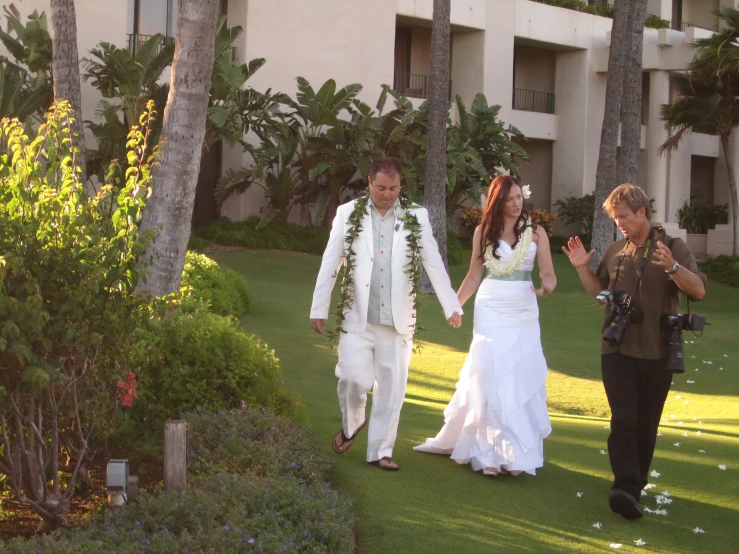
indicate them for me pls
(493, 217)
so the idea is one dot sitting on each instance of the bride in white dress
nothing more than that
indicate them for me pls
(497, 419)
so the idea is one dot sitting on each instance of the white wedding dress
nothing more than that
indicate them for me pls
(498, 415)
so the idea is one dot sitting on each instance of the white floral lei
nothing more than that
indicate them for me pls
(501, 268)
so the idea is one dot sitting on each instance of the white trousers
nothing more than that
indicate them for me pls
(377, 357)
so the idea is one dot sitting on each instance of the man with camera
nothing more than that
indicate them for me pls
(639, 279)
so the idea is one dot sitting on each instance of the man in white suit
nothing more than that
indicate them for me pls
(375, 349)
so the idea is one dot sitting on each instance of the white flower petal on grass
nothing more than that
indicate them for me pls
(676, 444)
(700, 423)
(650, 486)
(603, 452)
(579, 495)
(679, 422)
(648, 510)
(696, 369)
(685, 434)
(725, 356)
(701, 452)
(672, 416)
(662, 499)
(607, 427)
(660, 435)
(660, 512)
(654, 473)
(639, 542)
(722, 467)
(644, 493)
(698, 530)
(678, 396)
(721, 369)
(690, 382)
(615, 545)
(597, 525)
(666, 494)
(698, 433)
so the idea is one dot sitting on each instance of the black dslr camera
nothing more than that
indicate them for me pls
(622, 305)
(677, 324)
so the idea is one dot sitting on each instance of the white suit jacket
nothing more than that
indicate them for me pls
(402, 302)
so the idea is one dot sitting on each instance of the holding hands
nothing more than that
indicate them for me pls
(579, 257)
(548, 285)
(455, 321)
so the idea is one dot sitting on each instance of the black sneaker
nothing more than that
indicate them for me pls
(624, 504)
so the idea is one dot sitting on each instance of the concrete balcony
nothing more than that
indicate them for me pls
(467, 14)
(535, 125)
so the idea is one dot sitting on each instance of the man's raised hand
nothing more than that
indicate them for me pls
(576, 252)
(319, 325)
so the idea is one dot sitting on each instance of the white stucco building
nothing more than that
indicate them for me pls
(545, 66)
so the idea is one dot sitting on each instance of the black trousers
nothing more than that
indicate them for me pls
(636, 390)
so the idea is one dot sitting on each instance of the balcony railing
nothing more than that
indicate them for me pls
(533, 101)
(414, 86)
(684, 25)
(136, 41)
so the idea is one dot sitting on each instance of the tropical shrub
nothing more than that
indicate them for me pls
(276, 235)
(724, 269)
(699, 218)
(471, 217)
(580, 211)
(224, 290)
(197, 360)
(456, 252)
(26, 86)
(68, 274)
(545, 218)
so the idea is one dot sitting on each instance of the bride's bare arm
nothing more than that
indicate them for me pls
(544, 259)
(474, 275)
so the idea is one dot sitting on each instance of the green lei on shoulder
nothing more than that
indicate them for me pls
(412, 268)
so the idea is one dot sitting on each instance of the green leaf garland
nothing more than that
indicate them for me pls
(412, 268)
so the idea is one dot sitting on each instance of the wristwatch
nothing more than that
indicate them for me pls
(673, 270)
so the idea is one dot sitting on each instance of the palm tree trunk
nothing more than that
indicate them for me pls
(66, 66)
(435, 186)
(175, 179)
(631, 107)
(605, 177)
(732, 188)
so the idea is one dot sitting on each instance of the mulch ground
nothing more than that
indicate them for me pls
(18, 519)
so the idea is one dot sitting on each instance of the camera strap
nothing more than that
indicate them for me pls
(643, 261)
(675, 287)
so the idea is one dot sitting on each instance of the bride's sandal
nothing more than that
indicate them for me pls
(492, 471)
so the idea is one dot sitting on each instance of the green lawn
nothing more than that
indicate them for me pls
(434, 505)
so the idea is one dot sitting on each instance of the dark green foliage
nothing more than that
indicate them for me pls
(225, 290)
(252, 439)
(198, 360)
(724, 269)
(456, 252)
(578, 211)
(280, 236)
(699, 218)
(217, 514)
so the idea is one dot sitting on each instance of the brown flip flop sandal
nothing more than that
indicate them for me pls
(341, 442)
(386, 463)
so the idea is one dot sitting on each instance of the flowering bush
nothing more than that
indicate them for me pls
(128, 389)
(471, 217)
(69, 267)
(258, 484)
(252, 439)
(222, 288)
(217, 513)
(544, 218)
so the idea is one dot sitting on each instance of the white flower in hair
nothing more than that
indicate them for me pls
(526, 191)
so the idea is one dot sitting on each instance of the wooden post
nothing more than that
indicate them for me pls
(175, 455)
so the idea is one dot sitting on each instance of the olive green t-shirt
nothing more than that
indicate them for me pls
(656, 295)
